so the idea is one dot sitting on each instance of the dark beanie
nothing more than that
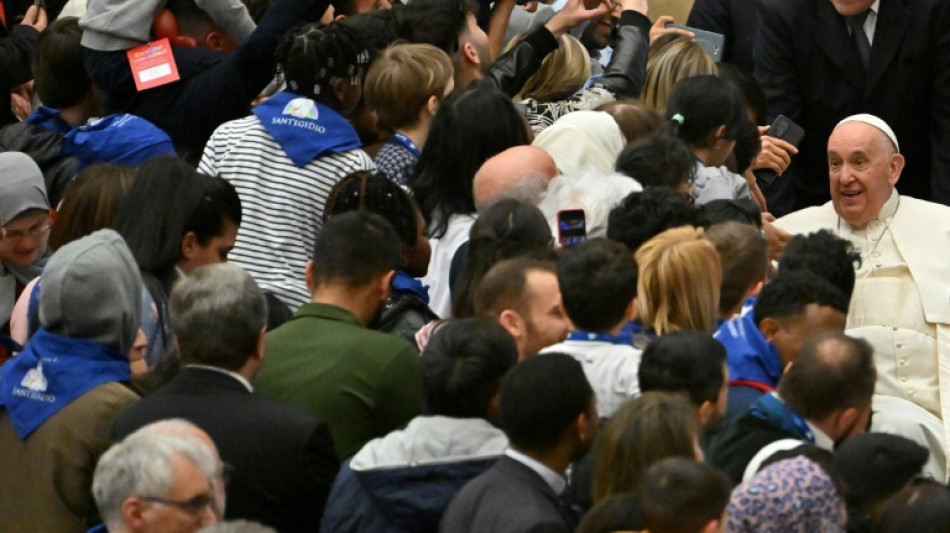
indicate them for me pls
(875, 465)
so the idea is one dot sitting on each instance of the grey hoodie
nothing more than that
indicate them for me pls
(21, 189)
(91, 289)
(111, 25)
(718, 183)
(21, 186)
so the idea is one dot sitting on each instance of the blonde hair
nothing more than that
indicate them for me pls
(563, 72)
(401, 80)
(671, 59)
(678, 287)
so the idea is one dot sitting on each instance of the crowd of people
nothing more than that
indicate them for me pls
(445, 265)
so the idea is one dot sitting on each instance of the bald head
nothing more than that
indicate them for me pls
(522, 173)
(833, 373)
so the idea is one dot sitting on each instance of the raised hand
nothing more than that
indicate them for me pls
(659, 28)
(776, 154)
(574, 13)
(35, 16)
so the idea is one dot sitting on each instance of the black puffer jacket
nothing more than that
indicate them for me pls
(44, 147)
(404, 315)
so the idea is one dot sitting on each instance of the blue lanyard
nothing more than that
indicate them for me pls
(625, 338)
(407, 142)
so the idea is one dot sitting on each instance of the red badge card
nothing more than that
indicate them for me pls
(153, 65)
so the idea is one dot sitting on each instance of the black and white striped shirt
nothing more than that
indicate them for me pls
(282, 204)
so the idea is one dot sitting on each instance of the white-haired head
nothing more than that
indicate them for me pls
(593, 191)
(141, 466)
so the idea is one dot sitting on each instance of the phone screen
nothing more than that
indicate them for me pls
(571, 227)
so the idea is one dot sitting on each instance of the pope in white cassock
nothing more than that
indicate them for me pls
(901, 301)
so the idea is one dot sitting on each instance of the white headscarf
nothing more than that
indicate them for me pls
(582, 139)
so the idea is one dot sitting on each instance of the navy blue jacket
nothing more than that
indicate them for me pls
(404, 481)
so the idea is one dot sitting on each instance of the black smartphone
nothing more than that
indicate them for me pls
(19, 18)
(783, 128)
(710, 42)
(571, 227)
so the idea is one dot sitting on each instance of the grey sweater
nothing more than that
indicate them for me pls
(718, 183)
(111, 25)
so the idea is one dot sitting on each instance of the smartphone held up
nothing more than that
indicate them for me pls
(571, 227)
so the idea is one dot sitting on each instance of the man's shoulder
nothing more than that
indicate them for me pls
(210, 405)
(181, 397)
(745, 435)
(743, 438)
(502, 500)
(788, 8)
(383, 347)
(311, 332)
(504, 484)
(918, 207)
(809, 219)
(281, 420)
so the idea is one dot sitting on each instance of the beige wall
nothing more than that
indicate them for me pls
(678, 9)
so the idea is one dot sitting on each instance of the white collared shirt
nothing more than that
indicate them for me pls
(870, 23)
(822, 440)
(235, 375)
(553, 479)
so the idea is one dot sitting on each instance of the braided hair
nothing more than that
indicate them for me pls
(311, 55)
(375, 192)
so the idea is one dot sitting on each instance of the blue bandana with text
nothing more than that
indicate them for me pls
(51, 372)
(305, 129)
